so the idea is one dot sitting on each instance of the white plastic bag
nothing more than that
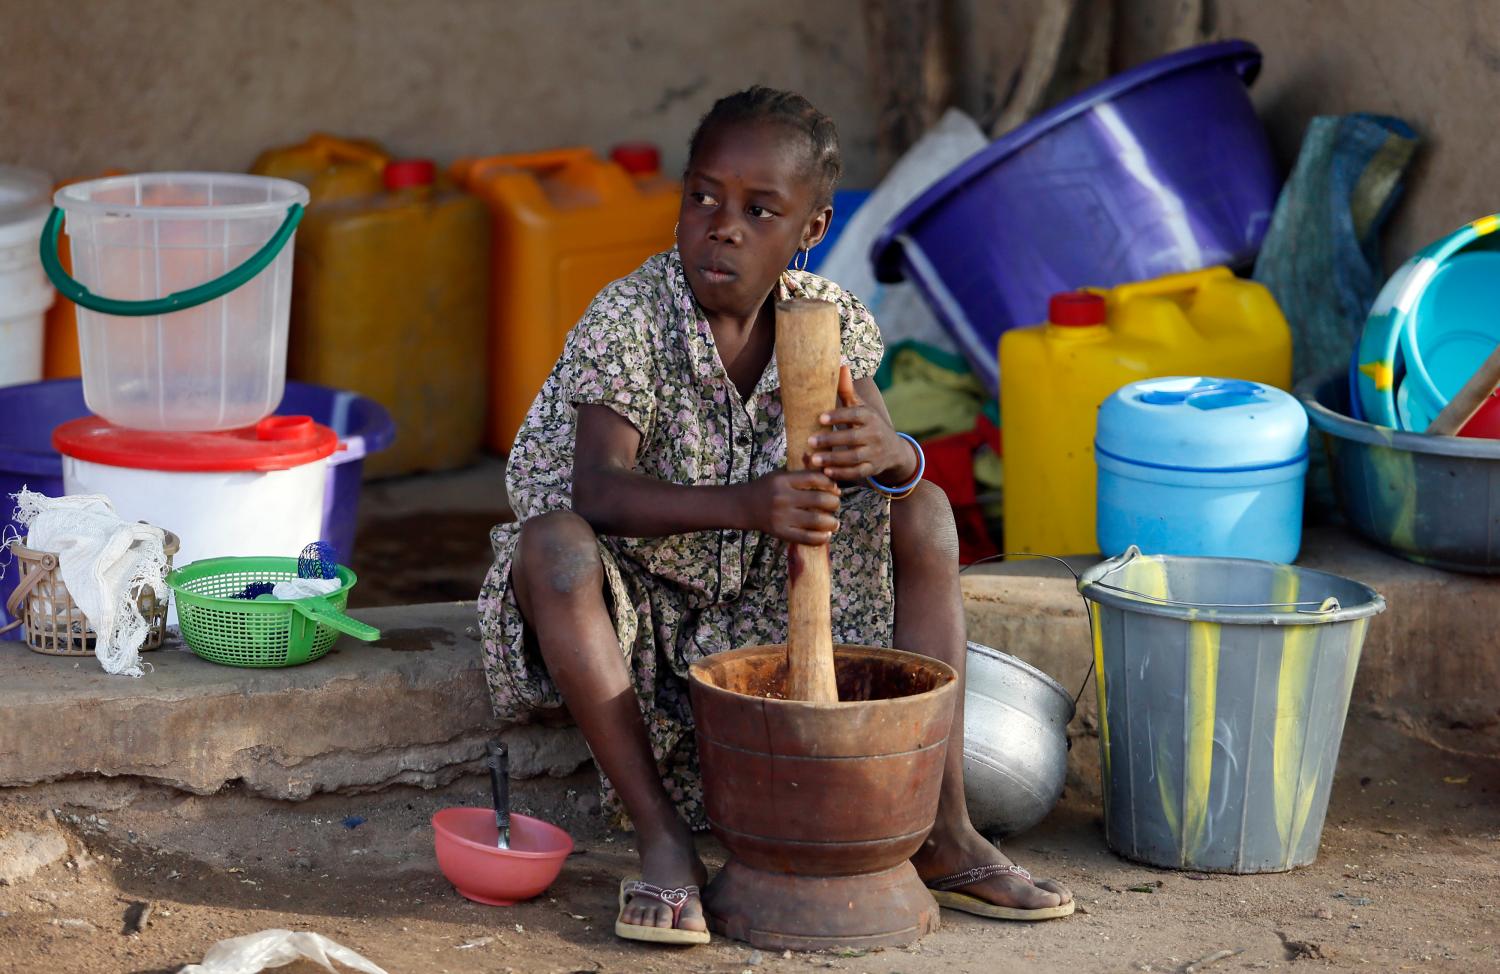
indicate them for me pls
(277, 948)
(899, 308)
(305, 588)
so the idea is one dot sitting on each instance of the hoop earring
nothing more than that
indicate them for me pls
(674, 231)
(802, 254)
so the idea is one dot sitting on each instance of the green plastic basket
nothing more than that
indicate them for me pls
(240, 632)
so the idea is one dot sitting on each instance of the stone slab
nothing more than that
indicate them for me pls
(412, 708)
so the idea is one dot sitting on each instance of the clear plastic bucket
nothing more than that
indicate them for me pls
(183, 285)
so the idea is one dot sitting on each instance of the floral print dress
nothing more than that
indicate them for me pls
(645, 350)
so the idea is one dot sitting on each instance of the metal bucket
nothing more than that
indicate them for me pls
(1223, 686)
(1434, 500)
(1015, 742)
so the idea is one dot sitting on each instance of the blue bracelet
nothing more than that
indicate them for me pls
(907, 488)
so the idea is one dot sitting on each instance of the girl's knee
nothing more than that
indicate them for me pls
(558, 553)
(922, 525)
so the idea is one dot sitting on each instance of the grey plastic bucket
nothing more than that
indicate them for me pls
(1434, 500)
(1223, 686)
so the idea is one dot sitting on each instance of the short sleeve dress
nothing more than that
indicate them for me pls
(645, 350)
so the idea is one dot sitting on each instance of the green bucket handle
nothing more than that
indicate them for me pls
(311, 612)
(69, 288)
(319, 609)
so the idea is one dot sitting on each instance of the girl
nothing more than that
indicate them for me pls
(654, 509)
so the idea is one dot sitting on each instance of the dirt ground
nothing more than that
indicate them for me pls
(427, 538)
(1407, 880)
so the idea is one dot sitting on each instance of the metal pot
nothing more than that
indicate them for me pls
(1015, 742)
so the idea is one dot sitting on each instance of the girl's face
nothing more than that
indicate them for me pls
(747, 207)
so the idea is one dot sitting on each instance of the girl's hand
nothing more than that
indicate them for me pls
(863, 446)
(794, 505)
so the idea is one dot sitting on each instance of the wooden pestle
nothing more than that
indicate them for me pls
(807, 357)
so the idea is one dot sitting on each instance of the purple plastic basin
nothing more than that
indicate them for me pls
(1161, 169)
(29, 413)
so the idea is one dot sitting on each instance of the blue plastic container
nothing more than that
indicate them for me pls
(1432, 325)
(1161, 169)
(29, 413)
(1199, 466)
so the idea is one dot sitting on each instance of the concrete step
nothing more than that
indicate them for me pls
(411, 709)
(414, 707)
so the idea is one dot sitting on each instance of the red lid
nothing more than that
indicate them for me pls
(1076, 308)
(401, 173)
(637, 158)
(275, 443)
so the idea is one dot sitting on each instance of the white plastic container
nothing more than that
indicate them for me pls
(152, 358)
(25, 294)
(249, 492)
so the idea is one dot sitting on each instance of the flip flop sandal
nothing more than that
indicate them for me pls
(942, 891)
(674, 898)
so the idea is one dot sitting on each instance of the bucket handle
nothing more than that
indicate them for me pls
(18, 596)
(1327, 605)
(1187, 283)
(321, 611)
(212, 290)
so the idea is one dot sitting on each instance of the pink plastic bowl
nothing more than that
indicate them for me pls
(466, 853)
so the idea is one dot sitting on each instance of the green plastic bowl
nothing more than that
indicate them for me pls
(240, 632)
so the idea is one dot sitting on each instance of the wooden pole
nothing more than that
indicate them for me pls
(807, 357)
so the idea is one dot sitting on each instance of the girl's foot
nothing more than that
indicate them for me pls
(668, 863)
(963, 851)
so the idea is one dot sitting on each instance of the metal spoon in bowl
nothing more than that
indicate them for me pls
(499, 763)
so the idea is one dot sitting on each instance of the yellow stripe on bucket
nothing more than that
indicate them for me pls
(1298, 661)
(1098, 634)
(1201, 703)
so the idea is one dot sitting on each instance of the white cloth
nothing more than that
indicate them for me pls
(899, 308)
(304, 588)
(105, 562)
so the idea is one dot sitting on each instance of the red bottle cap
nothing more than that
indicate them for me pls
(637, 158)
(1074, 308)
(403, 173)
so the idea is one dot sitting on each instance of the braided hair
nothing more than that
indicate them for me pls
(760, 104)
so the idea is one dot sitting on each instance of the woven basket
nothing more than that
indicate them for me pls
(54, 624)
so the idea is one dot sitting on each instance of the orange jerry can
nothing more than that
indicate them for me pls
(390, 296)
(566, 223)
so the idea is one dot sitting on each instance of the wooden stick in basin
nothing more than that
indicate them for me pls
(807, 357)
(1462, 407)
